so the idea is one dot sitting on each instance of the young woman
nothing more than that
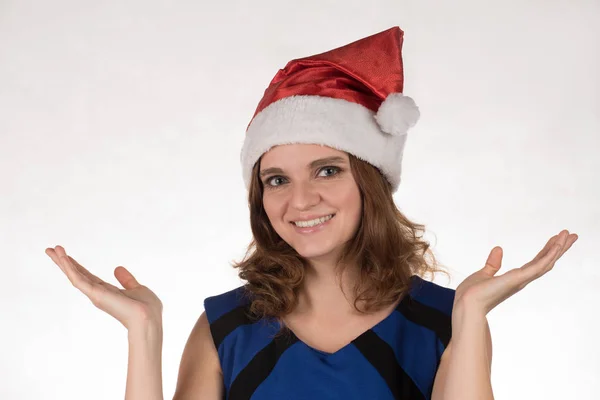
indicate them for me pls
(336, 305)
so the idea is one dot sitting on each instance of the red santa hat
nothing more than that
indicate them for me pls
(349, 98)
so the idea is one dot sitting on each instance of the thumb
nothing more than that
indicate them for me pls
(494, 261)
(125, 278)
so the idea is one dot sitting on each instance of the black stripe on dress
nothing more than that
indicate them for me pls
(259, 368)
(428, 317)
(228, 322)
(381, 355)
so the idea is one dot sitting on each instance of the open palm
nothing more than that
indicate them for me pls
(132, 306)
(485, 291)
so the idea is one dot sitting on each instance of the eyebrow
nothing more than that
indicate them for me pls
(313, 164)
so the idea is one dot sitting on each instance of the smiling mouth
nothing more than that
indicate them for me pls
(312, 223)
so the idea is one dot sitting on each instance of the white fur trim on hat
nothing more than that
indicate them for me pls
(328, 121)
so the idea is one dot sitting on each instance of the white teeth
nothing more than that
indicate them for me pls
(306, 224)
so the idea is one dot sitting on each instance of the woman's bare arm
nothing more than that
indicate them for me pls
(144, 367)
(466, 365)
(200, 375)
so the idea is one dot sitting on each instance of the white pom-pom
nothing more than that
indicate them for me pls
(397, 114)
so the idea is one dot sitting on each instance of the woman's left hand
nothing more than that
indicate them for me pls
(483, 291)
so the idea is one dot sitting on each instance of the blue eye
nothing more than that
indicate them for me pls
(336, 169)
(268, 182)
(269, 185)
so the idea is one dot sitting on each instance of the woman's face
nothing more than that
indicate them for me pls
(304, 182)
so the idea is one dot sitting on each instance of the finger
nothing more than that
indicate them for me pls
(493, 262)
(556, 239)
(563, 238)
(50, 252)
(534, 270)
(60, 251)
(569, 242)
(55, 254)
(547, 247)
(125, 278)
(91, 276)
(85, 272)
(563, 247)
(78, 280)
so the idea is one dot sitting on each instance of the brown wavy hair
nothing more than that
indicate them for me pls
(387, 246)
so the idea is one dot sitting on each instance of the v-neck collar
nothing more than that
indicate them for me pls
(346, 346)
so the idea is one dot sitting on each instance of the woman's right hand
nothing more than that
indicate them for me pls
(134, 306)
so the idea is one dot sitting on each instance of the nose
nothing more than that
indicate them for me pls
(304, 196)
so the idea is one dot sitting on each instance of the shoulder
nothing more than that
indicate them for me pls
(219, 305)
(225, 312)
(200, 372)
(429, 305)
(206, 377)
(432, 295)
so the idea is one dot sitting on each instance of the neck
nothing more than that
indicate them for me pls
(325, 290)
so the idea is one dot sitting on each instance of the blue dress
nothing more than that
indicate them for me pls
(396, 359)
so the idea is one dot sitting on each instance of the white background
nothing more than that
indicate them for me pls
(121, 124)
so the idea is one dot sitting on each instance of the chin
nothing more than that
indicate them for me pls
(316, 250)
